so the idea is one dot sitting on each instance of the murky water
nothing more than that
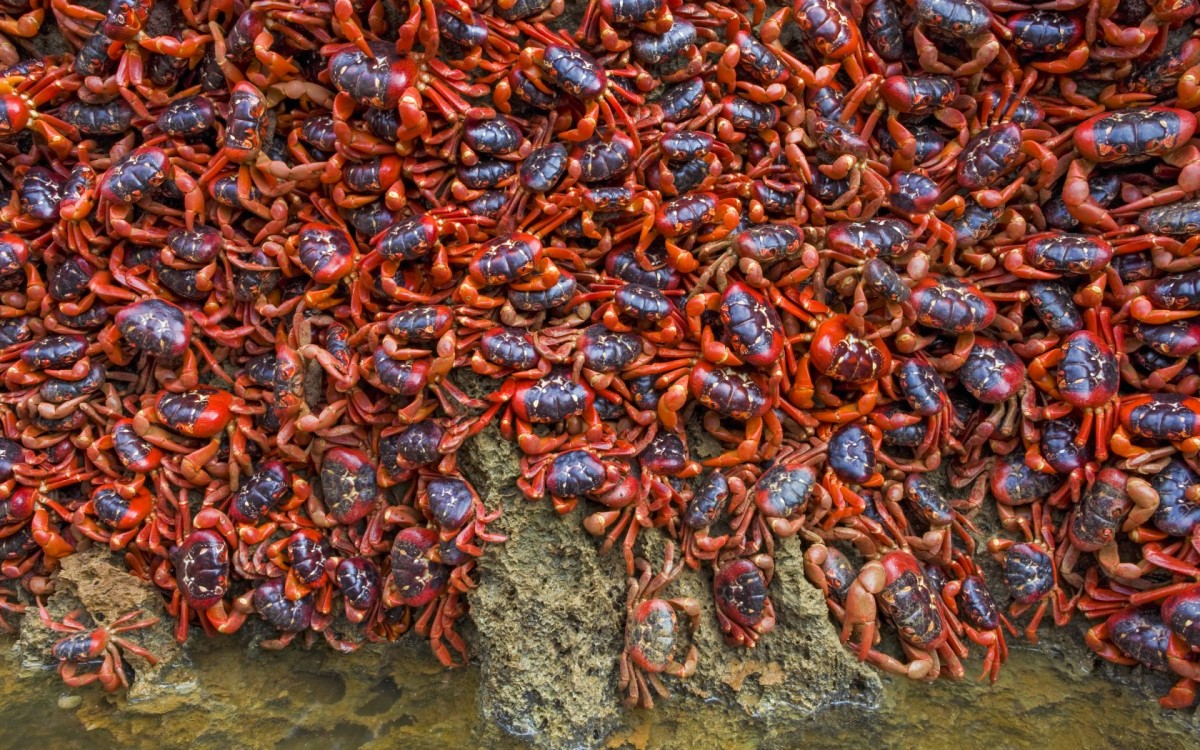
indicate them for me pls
(299, 699)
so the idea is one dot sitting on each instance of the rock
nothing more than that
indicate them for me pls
(242, 696)
(96, 581)
(547, 611)
(550, 617)
(795, 670)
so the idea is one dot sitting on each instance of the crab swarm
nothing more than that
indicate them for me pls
(892, 260)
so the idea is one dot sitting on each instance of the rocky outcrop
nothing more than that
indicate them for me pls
(95, 585)
(548, 612)
(550, 617)
(794, 671)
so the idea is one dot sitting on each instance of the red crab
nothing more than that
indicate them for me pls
(99, 648)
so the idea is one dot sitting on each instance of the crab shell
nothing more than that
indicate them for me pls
(650, 635)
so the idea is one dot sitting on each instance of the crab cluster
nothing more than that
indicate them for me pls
(886, 264)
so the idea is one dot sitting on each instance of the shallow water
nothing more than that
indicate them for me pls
(299, 699)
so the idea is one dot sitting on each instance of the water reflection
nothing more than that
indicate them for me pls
(403, 698)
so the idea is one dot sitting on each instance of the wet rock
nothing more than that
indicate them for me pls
(550, 617)
(96, 583)
(242, 696)
(385, 693)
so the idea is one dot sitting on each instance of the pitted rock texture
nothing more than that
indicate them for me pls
(95, 582)
(550, 616)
